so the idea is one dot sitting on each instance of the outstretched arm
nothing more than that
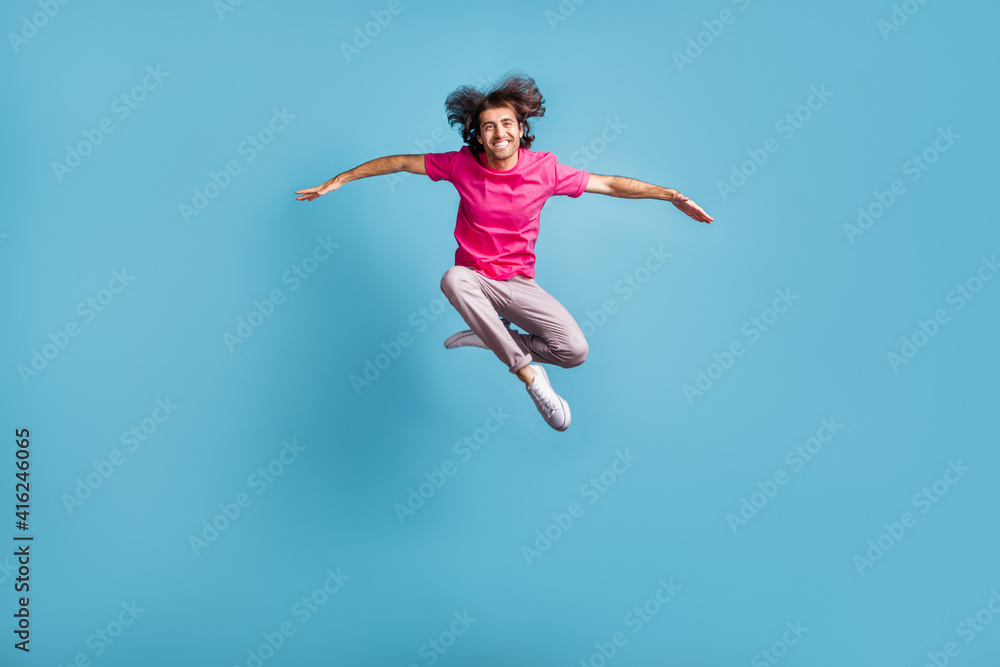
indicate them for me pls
(630, 188)
(377, 167)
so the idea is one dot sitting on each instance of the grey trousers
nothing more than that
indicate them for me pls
(552, 335)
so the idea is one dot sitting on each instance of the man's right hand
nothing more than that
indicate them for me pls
(311, 193)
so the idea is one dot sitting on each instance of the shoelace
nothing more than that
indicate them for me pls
(545, 400)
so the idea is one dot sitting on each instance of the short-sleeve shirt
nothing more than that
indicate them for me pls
(498, 215)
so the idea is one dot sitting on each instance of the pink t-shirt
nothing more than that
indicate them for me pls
(498, 214)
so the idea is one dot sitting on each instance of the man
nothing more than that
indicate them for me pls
(503, 186)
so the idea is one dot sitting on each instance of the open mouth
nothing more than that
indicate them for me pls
(501, 144)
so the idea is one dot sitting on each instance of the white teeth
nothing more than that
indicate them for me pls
(501, 144)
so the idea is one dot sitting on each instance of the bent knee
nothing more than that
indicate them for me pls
(576, 354)
(454, 278)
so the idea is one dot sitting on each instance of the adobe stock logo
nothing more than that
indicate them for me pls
(264, 308)
(924, 500)
(565, 9)
(593, 490)
(629, 284)
(105, 468)
(926, 330)
(105, 636)
(796, 459)
(752, 329)
(222, 7)
(787, 125)
(898, 18)
(779, 648)
(637, 619)
(696, 44)
(434, 648)
(585, 155)
(249, 148)
(915, 167)
(122, 106)
(30, 28)
(363, 38)
(419, 320)
(260, 481)
(60, 340)
(438, 476)
(303, 610)
(968, 629)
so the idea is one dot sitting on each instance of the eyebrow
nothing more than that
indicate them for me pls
(490, 122)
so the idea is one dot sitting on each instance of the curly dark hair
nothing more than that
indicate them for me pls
(516, 91)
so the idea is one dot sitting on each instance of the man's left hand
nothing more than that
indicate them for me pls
(688, 207)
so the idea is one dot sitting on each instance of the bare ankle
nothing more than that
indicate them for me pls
(527, 375)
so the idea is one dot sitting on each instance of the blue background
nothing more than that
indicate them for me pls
(686, 126)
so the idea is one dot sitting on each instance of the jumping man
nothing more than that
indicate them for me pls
(503, 186)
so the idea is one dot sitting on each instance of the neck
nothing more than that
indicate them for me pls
(502, 165)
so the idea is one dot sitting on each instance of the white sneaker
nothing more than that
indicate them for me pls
(468, 338)
(551, 406)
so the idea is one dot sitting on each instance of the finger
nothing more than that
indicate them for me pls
(699, 209)
(698, 214)
(694, 211)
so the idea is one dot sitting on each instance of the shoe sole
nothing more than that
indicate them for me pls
(449, 342)
(568, 416)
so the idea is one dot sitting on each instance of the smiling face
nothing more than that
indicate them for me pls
(499, 133)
